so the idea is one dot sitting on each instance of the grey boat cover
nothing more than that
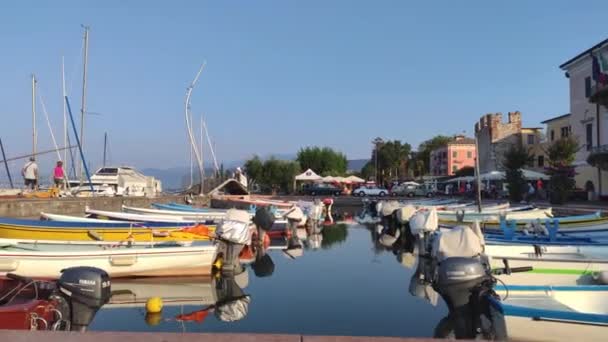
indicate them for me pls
(234, 310)
(235, 227)
(389, 207)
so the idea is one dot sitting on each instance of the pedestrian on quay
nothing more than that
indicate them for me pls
(58, 174)
(30, 174)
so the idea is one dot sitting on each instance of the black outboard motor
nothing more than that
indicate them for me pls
(263, 220)
(86, 290)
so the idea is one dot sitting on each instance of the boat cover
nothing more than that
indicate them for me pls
(404, 214)
(235, 227)
(389, 207)
(458, 242)
(424, 222)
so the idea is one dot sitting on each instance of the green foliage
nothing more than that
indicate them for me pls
(561, 156)
(393, 156)
(423, 156)
(465, 171)
(515, 159)
(368, 171)
(273, 174)
(323, 161)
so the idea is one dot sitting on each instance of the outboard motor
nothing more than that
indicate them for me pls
(86, 290)
(294, 216)
(233, 233)
(263, 220)
(464, 282)
(328, 204)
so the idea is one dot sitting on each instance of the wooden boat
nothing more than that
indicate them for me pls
(554, 313)
(68, 218)
(132, 217)
(552, 265)
(183, 215)
(583, 223)
(111, 231)
(533, 214)
(47, 260)
(184, 207)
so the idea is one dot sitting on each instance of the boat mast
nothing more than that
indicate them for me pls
(189, 126)
(34, 116)
(215, 164)
(65, 119)
(201, 140)
(105, 147)
(84, 93)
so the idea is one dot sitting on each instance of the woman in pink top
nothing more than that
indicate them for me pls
(58, 174)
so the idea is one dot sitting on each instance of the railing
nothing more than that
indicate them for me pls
(599, 94)
(599, 149)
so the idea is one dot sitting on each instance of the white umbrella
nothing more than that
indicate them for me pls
(532, 175)
(355, 179)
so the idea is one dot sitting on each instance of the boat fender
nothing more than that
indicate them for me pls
(128, 260)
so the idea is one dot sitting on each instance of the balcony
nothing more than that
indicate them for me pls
(598, 157)
(599, 94)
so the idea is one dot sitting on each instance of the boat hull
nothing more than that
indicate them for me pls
(123, 262)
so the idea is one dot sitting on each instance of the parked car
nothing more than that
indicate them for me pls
(322, 189)
(370, 191)
(411, 190)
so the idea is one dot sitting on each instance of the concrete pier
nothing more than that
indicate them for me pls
(31, 208)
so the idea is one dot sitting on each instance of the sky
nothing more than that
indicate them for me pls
(281, 75)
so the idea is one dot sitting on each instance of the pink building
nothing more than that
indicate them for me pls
(448, 159)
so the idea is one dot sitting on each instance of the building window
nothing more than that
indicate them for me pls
(469, 154)
(589, 136)
(565, 132)
(454, 154)
(587, 86)
(552, 135)
(530, 139)
(541, 161)
(454, 168)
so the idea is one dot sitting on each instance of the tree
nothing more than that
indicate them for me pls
(465, 171)
(561, 156)
(254, 169)
(514, 160)
(323, 160)
(391, 157)
(368, 171)
(425, 148)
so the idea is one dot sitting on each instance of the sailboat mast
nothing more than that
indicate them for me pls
(65, 118)
(202, 155)
(105, 147)
(84, 88)
(34, 116)
(189, 126)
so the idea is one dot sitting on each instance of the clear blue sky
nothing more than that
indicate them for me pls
(286, 74)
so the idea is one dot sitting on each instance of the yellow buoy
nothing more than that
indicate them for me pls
(154, 305)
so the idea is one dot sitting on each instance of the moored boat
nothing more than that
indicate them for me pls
(554, 313)
(183, 215)
(47, 260)
(111, 231)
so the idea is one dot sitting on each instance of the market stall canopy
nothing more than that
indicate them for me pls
(355, 179)
(328, 179)
(492, 175)
(308, 175)
(461, 179)
(533, 175)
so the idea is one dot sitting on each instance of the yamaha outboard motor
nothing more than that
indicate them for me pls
(233, 233)
(263, 220)
(464, 282)
(86, 290)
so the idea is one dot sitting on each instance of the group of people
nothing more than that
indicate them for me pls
(31, 176)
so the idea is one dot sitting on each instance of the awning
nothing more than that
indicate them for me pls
(308, 175)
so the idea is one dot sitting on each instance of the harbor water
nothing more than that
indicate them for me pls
(349, 285)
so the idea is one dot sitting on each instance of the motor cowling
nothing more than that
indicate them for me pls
(86, 289)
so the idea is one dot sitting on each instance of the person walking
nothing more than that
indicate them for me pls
(30, 174)
(58, 175)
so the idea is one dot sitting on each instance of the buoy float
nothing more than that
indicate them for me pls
(154, 305)
(153, 319)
